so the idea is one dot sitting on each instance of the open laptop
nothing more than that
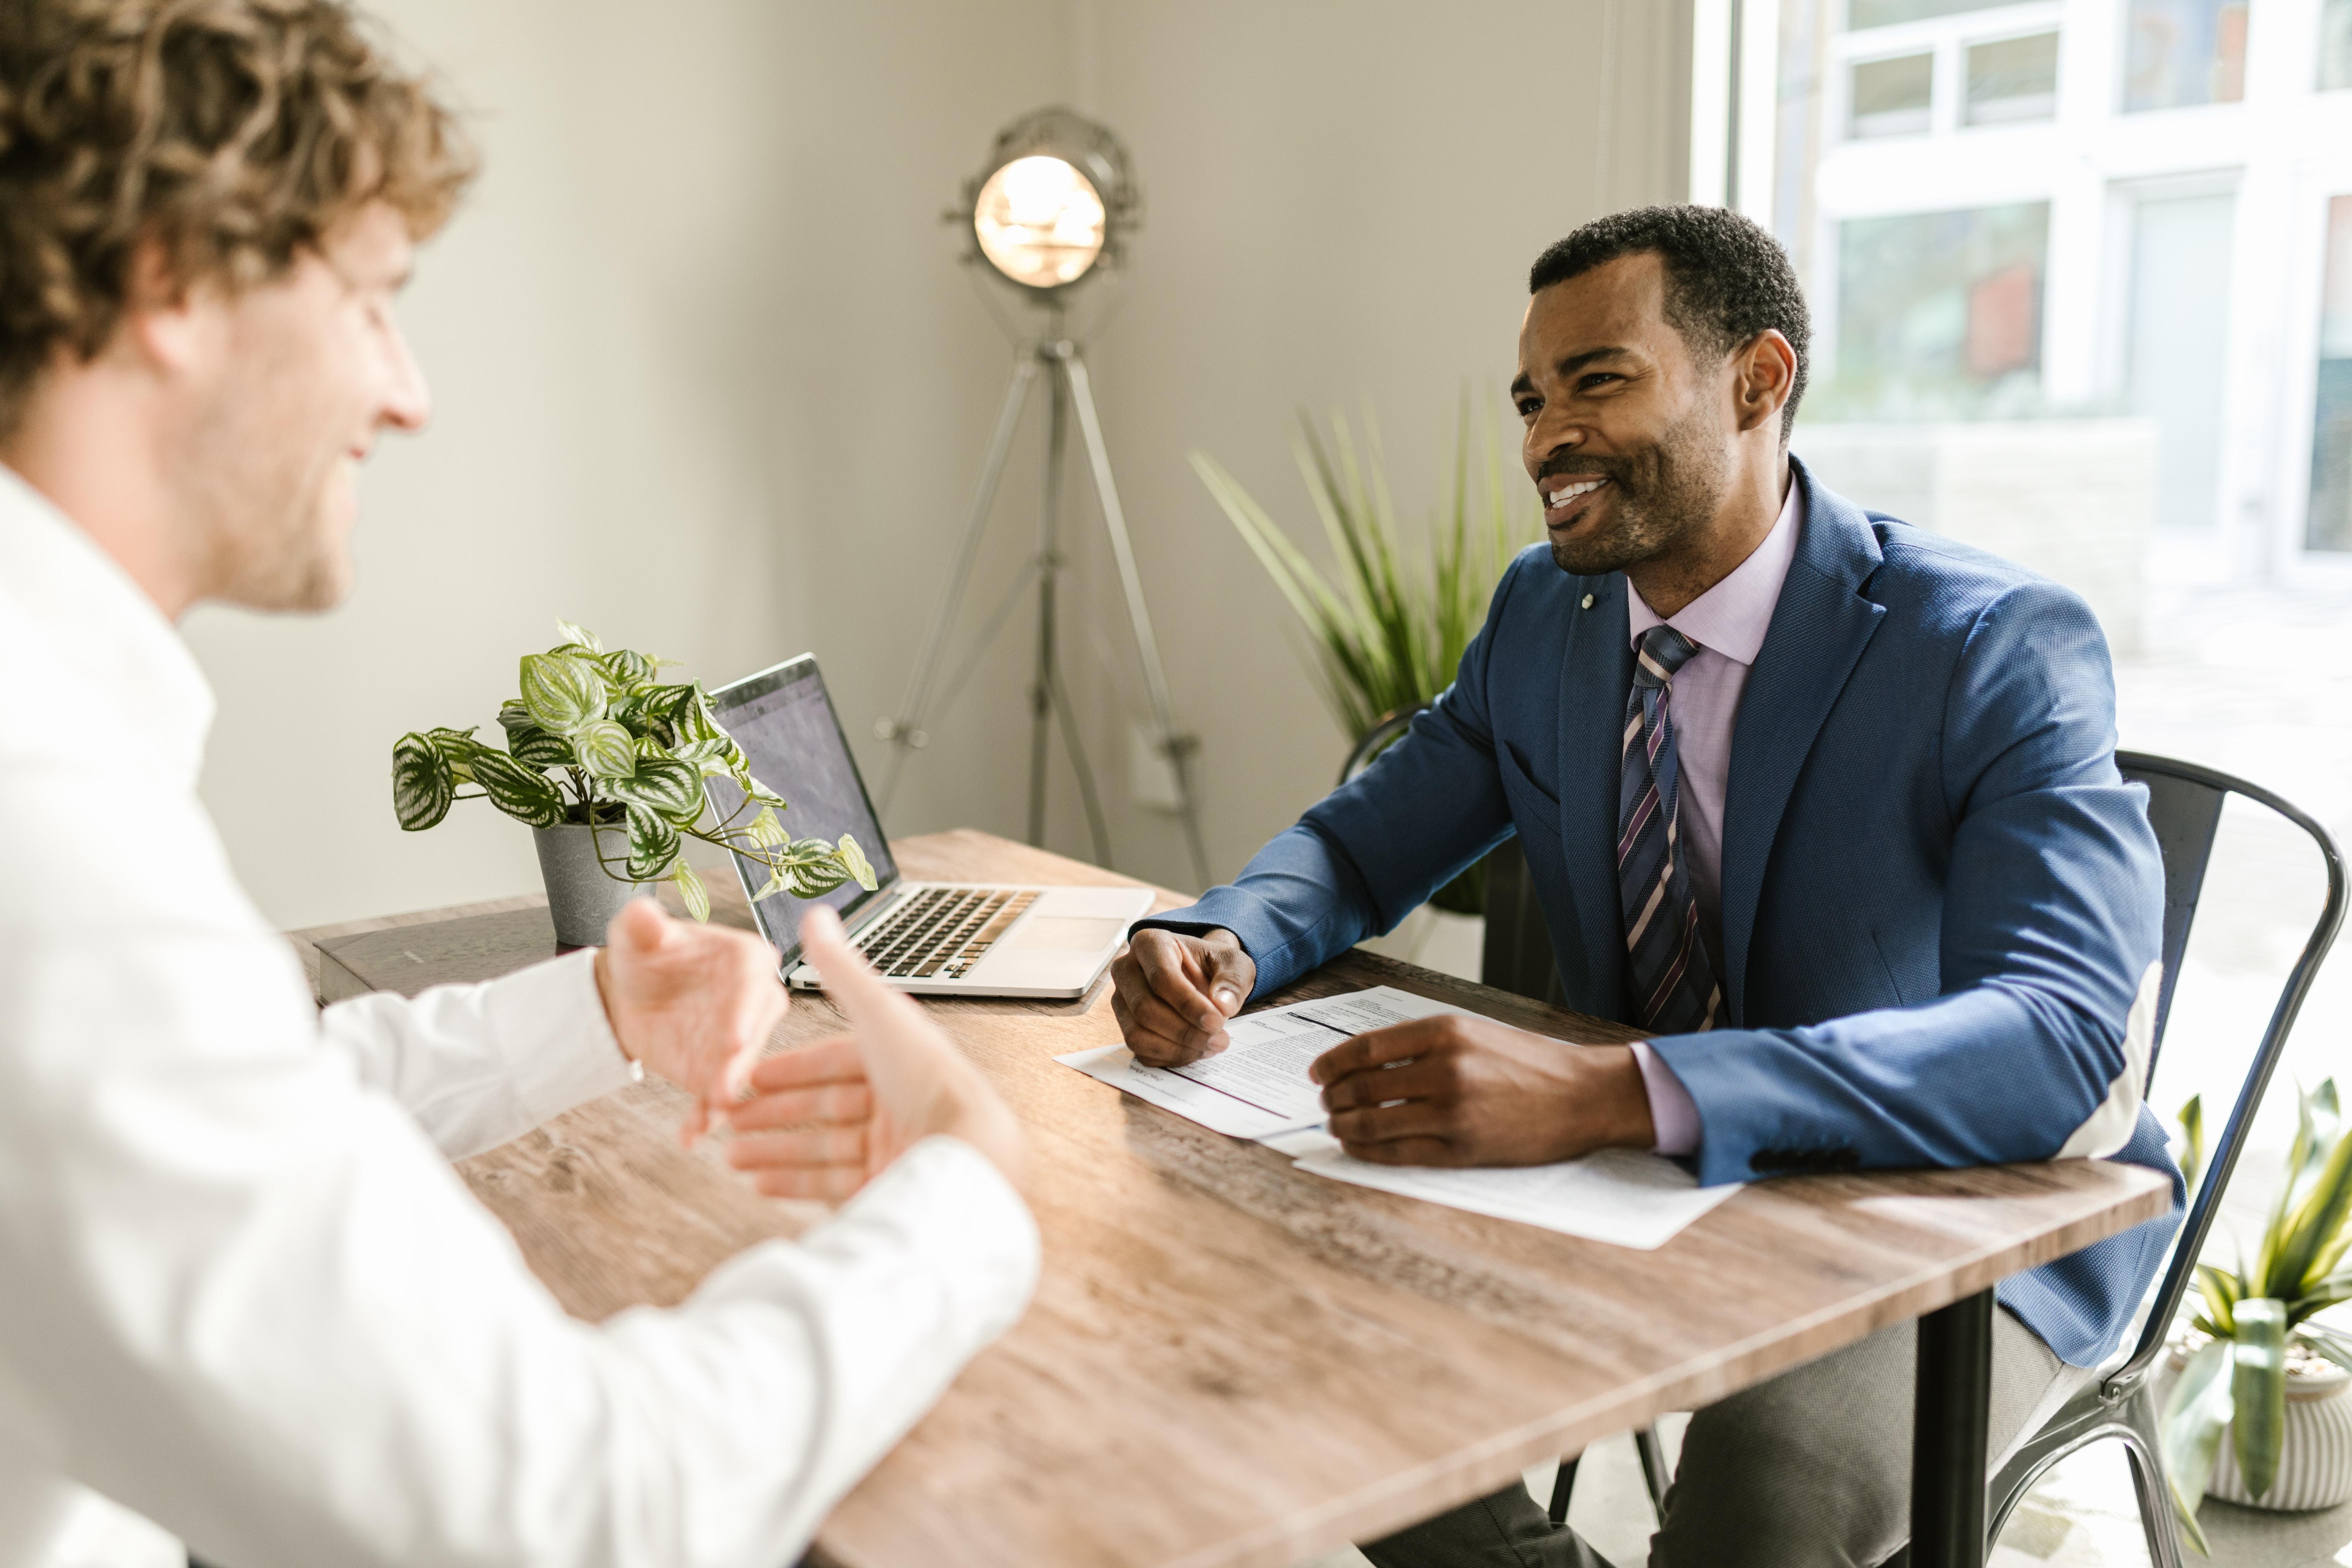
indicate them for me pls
(953, 938)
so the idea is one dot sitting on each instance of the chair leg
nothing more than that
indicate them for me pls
(1562, 1484)
(1654, 1473)
(2146, 1446)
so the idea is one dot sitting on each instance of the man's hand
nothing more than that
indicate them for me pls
(828, 1118)
(1456, 1090)
(693, 1003)
(1172, 994)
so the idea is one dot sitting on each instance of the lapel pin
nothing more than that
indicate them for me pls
(1588, 600)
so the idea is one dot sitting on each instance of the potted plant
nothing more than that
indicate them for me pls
(2257, 1414)
(1388, 635)
(608, 765)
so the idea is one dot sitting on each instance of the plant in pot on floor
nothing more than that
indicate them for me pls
(2257, 1414)
(1388, 635)
(606, 764)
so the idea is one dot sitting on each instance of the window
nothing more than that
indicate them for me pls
(1940, 314)
(2012, 79)
(2328, 524)
(2177, 53)
(2335, 46)
(1885, 13)
(1892, 98)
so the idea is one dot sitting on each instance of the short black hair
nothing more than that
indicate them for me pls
(1726, 279)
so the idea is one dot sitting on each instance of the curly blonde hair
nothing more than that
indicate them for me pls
(231, 133)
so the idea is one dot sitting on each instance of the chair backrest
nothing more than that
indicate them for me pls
(1386, 731)
(2184, 806)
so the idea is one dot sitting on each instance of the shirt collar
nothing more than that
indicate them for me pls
(103, 630)
(1733, 617)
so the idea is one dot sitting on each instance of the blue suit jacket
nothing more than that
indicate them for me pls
(1939, 897)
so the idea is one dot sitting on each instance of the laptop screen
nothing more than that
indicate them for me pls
(787, 728)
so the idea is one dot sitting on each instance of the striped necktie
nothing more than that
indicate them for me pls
(1669, 979)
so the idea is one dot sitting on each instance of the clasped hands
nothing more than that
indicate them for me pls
(696, 1004)
(1447, 1090)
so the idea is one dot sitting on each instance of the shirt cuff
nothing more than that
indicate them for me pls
(1672, 1113)
(560, 1049)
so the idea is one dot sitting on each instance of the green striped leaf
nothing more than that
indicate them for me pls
(2258, 1390)
(530, 745)
(652, 844)
(578, 636)
(854, 861)
(664, 784)
(690, 888)
(606, 750)
(535, 748)
(561, 692)
(627, 670)
(421, 783)
(522, 793)
(766, 831)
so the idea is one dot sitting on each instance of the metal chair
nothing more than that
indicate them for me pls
(1386, 731)
(2185, 809)
(2184, 806)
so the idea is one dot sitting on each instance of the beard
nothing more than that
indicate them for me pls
(272, 503)
(1659, 496)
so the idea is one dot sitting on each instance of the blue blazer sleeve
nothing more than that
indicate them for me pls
(1373, 850)
(2052, 917)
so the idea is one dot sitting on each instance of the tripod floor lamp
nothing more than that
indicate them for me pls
(1051, 211)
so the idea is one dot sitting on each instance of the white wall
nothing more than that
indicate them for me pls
(1343, 203)
(702, 369)
(709, 380)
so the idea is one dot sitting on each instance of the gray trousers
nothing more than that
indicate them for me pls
(1812, 1469)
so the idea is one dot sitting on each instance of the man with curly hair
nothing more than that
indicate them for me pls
(244, 1304)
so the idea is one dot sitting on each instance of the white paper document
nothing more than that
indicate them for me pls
(1257, 1087)
(1615, 1196)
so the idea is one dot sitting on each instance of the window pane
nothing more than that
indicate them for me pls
(1891, 97)
(2013, 79)
(2329, 524)
(1940, 314)
(2335, 46)
(1882, 12)
(2183, 52)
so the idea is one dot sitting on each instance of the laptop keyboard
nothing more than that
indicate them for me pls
(940, 934)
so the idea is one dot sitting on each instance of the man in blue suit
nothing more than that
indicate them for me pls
(1826, 803)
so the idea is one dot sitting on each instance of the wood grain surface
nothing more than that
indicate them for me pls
(1231, 1362)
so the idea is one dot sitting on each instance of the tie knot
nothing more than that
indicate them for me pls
(1664, 651)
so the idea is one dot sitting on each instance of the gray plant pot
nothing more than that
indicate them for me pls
(580, 897)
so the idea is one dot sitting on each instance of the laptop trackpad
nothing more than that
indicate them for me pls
(1064, 933)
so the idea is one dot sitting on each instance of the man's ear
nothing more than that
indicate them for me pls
(1762, 373)
(170, 326)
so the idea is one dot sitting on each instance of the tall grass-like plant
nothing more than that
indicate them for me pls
(2236, 1381)
(1388, 627)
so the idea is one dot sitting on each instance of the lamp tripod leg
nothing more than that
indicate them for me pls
(1176, 748)
(902, 730)
(1098, 827)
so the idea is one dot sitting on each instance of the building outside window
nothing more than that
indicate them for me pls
(2123, 221)
(2329, 524)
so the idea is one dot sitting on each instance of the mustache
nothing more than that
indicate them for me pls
(1576, 466)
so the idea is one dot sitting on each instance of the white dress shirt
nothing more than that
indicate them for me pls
(1728, 621)
(242, 1294)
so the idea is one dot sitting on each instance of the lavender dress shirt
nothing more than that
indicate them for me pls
(1728, 621)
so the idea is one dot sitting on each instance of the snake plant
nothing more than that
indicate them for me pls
(595, 739)
(2252, 1317)
(1390, 633)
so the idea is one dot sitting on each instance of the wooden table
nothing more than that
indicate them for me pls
(1232, 1363)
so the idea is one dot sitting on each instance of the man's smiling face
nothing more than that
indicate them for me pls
(1629, 439)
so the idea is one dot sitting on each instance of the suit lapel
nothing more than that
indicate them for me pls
(1819, 629)
(1596, 671)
